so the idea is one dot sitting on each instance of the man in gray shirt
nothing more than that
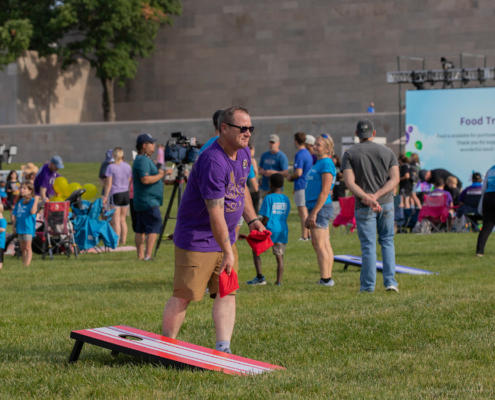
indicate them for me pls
(371, 172)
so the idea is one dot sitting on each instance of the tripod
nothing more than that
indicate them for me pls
(177, 190)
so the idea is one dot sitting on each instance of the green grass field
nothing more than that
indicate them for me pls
(435, 339)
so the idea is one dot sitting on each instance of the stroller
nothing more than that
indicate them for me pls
(58, 231)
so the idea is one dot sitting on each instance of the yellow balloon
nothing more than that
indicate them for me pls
(57, 198)
(91, 191)
(60, 185)
(72, 187)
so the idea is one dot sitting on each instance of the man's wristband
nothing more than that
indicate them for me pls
(250, 222)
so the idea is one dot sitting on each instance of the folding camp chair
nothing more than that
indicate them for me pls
(346, 216)
(59, 232)
(435, 211)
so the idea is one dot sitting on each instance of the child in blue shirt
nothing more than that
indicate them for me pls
(24, 220)
(3, 228)
(275, 211)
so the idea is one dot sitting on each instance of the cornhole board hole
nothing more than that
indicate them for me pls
(163, 350)
(357, 261)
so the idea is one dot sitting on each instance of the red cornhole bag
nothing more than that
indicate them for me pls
(228, 283)
(260, 241)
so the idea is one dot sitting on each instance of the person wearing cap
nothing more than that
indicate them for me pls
(103, 169)
(302, 165)
(435, 174)
(148, 196)
(271, 162)
(310, 142)
(43, 184)
(371, 173)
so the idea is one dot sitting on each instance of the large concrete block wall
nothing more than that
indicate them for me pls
(297, 57)
(88, 142)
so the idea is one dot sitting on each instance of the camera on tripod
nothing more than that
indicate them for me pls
(182, 150)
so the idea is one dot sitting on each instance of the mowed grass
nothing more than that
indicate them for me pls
(435, 339)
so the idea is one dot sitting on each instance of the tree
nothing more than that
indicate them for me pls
(26, 25)
(111, 35)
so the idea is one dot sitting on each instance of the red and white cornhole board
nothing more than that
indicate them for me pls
(163, 350)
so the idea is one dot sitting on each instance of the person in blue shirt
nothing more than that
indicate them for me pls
(371, 108)
(275, 210)
(272, 162)
(487, 210)
(3, 228)
(24, 220)
(217, 133)
(302, 165)
(319, 184)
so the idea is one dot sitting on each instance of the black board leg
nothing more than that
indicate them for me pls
(114, 353)
(74, 356)
(345, 267)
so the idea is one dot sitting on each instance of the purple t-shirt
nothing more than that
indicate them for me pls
(45, 179)
(214, 176)
(439, 192)
(120, 174)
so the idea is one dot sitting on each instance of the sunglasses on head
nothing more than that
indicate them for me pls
(243, 129)
(324, 135)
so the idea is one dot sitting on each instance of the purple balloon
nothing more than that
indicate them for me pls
(410, 129)
(407, 137)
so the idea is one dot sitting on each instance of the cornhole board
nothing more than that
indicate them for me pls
(357, 261)
(163, 350)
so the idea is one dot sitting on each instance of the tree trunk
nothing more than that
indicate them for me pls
(108, 99)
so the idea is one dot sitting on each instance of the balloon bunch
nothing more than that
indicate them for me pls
(64, 189)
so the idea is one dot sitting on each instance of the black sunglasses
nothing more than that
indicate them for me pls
(243, 129)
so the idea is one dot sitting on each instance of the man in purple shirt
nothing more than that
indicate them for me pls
(204, 237)
(43, 184)
(439, 186)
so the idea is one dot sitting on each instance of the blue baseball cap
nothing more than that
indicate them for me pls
(145, 138)
(109, 156)
(57, 161)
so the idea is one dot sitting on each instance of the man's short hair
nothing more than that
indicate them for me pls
(139, 146)
(439, 182)
(476, 177)
(215, 119)
(227, 115)
(300, 138)
(277, 181)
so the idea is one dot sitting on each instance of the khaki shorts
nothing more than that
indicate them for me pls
(195, 271)
(279, 249)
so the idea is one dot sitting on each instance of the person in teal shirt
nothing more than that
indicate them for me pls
(275, 210)
(148, 196)
(319, 184)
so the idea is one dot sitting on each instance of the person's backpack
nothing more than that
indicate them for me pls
(414, 173)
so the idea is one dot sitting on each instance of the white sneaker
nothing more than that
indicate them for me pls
(392, 288)
(301, 239)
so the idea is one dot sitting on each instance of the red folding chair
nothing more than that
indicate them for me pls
(346, 216)
(59, 232)
(435, 210)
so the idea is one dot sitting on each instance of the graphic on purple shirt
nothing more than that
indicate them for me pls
(120, 174)
(45, 179)
(214, 176)
(439, 192)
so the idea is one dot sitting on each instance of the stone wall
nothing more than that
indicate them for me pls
(299, 57)
(88, 142)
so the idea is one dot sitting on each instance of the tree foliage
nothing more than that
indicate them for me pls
(110, 34)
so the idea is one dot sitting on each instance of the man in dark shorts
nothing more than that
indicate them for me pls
(148, 196)
(215, 198)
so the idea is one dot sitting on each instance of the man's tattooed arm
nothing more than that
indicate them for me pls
(214, 203)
